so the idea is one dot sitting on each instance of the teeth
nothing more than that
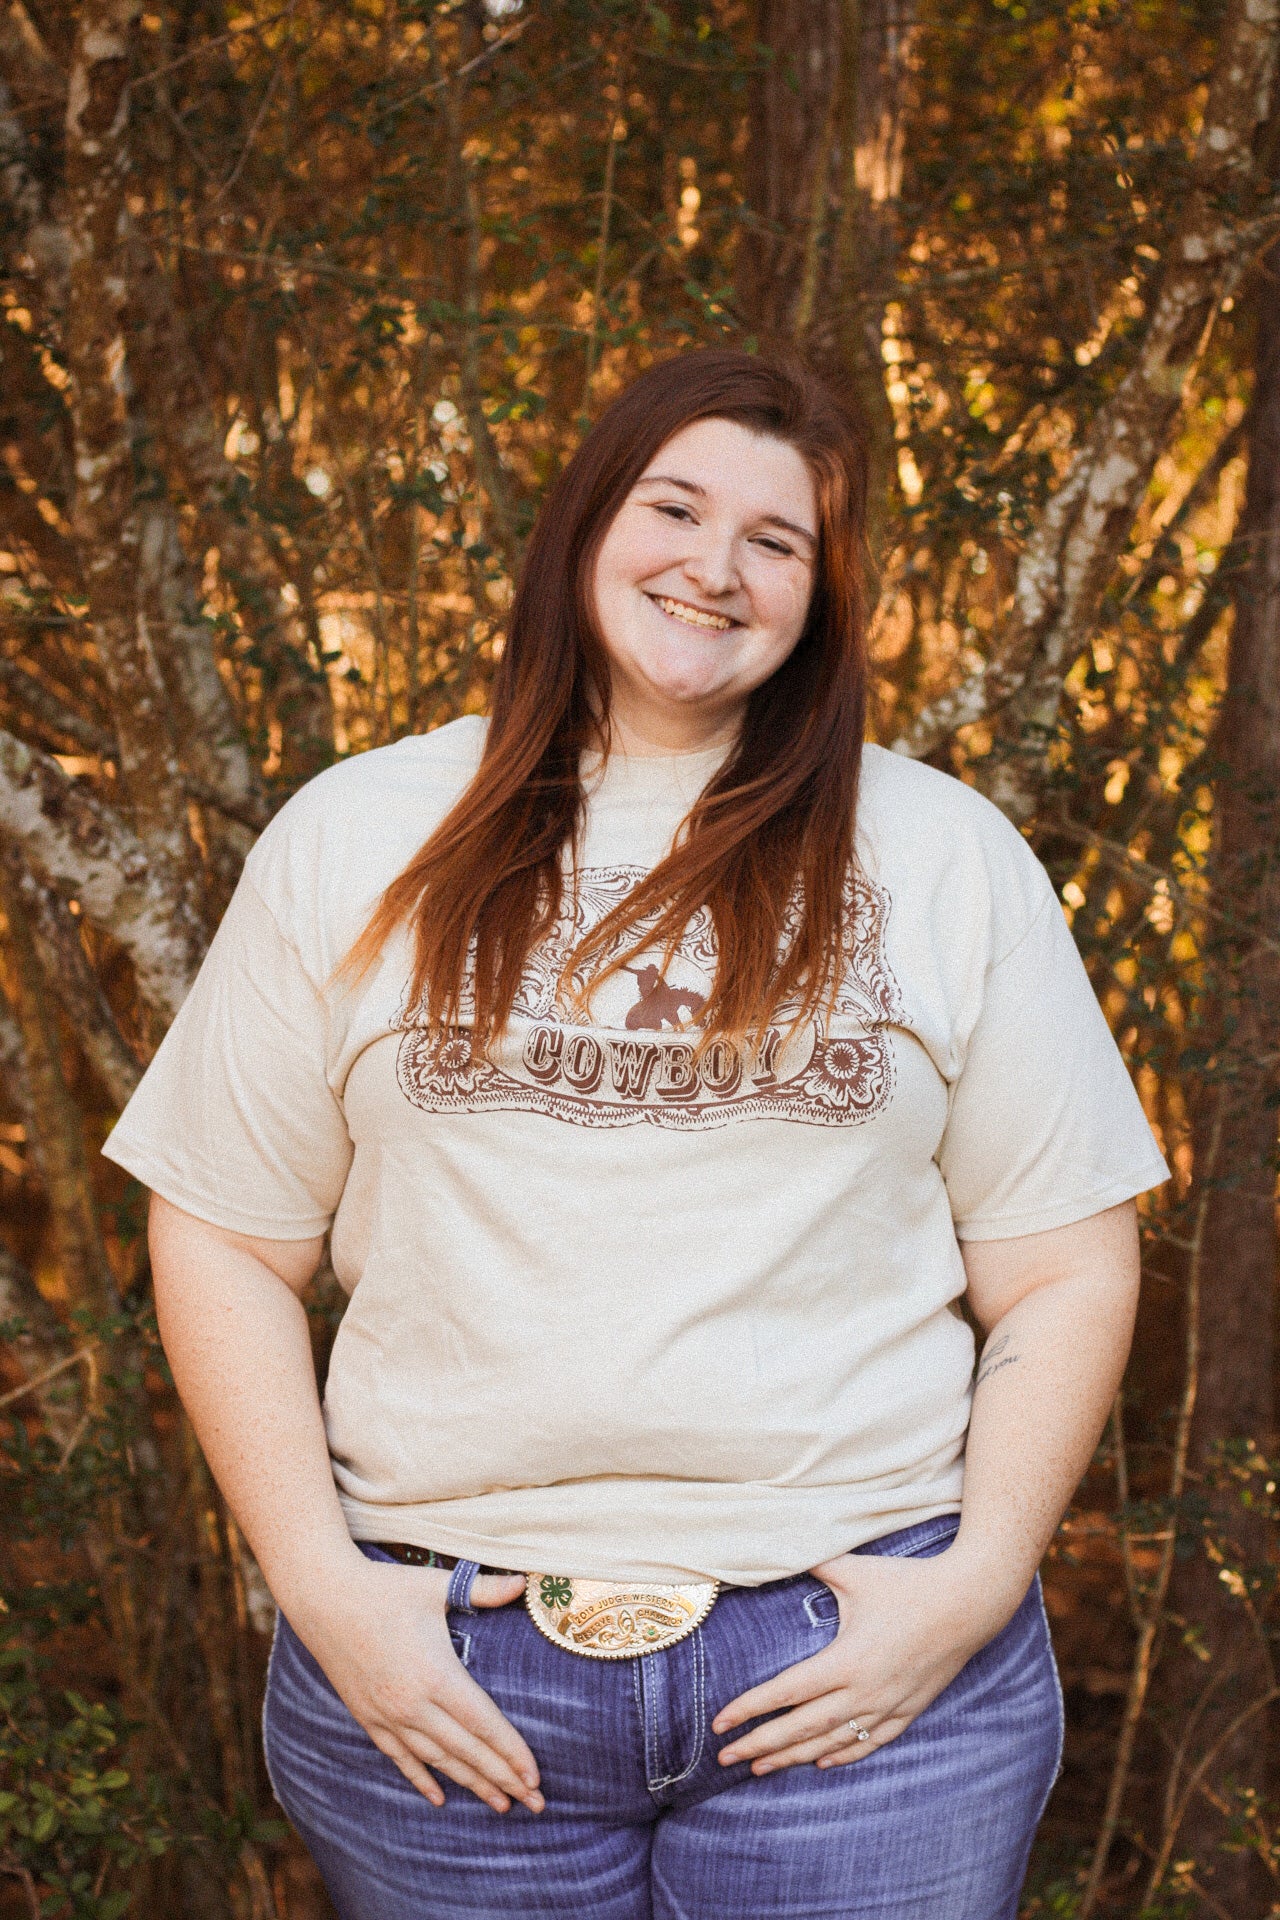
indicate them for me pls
(694, 616)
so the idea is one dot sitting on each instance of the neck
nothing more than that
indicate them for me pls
(642, 734)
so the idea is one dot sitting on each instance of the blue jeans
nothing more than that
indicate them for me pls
(641, 1823)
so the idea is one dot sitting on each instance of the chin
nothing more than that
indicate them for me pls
(685, 673)
(688, 692)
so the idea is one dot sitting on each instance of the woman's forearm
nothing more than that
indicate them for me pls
(235, 1333)
(1046, 1379)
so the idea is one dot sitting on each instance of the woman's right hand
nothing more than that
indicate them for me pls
(236, 1335)
(381, 1634)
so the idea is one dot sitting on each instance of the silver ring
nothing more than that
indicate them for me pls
(860, 1731)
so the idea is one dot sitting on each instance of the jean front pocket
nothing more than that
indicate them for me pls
(923, 1541)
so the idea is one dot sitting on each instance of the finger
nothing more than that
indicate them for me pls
(496, 1589)
(429, 1752)
(470, 1750)
(843, 1753)
(801, 1753)
(837, 1748)
(817, 1718)
(790, 1688)
(410, 1766)
(470, 1706)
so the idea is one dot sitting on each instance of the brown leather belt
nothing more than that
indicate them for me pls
(427, 1557)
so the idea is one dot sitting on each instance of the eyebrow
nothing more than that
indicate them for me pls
(691, 486)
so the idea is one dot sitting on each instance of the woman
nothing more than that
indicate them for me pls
(665, 1070)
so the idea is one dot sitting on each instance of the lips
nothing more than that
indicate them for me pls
(692, 616)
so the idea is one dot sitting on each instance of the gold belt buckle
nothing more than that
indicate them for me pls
(616, 1620)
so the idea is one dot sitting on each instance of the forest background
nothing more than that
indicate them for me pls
(304, 303)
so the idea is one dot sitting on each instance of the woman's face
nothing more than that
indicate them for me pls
(702, 584)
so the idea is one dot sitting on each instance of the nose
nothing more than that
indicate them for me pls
(713, 564)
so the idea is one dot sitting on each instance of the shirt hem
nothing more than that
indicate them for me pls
(1010, 1226)
(414, 1526)
(213, 1212)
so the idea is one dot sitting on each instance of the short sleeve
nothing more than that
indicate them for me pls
(1044, 1126)
(234, 1120)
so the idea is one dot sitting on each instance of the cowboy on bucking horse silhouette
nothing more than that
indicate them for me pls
(659, 1004)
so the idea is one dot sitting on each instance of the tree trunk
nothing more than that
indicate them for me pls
(824, 176)
(106, 518)
(1235, 1388)
(790, 172)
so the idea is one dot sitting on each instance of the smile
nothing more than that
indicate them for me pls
(692, 616)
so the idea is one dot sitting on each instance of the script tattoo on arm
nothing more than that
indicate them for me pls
(993, 1359)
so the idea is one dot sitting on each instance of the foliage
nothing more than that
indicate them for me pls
(371, 268)
(69, 1812)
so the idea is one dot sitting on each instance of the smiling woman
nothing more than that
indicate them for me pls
(702, 584)
(734, 488)
(660, 1108)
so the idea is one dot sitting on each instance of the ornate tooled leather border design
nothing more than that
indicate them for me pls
(596, 1075)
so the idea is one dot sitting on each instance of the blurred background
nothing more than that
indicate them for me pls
(303, 306)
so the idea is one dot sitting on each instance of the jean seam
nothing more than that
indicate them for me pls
(1062, 1705)
(699, 1714)
(266, 1695)
(649, 1721)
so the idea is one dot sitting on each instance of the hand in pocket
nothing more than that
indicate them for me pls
(381, 1634)
(906, 1629)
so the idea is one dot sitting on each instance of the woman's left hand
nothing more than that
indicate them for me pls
(906, 1629)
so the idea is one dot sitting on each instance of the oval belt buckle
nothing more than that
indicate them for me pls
(612, 1620)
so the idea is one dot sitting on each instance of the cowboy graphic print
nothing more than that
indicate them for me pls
(629, 1055)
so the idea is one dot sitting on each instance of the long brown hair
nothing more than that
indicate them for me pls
(771, 837)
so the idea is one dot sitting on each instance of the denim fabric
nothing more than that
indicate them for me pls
(641, 1823)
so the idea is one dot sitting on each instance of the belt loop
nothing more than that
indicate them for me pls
(460, 1585)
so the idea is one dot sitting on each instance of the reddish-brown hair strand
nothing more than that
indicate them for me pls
(773, 830)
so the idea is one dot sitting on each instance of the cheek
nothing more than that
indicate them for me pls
(783, 604)
(633, 549)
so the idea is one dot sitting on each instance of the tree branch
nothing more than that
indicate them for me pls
(1067, 565)
(490, 472)
(66, 967)
(41, 1347)
(80, 847)
(166, 363)
(209, 735)
(44, 707)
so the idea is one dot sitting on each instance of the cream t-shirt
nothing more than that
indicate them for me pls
(617, 1309)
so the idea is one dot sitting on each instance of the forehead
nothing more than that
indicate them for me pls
(738, 469)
